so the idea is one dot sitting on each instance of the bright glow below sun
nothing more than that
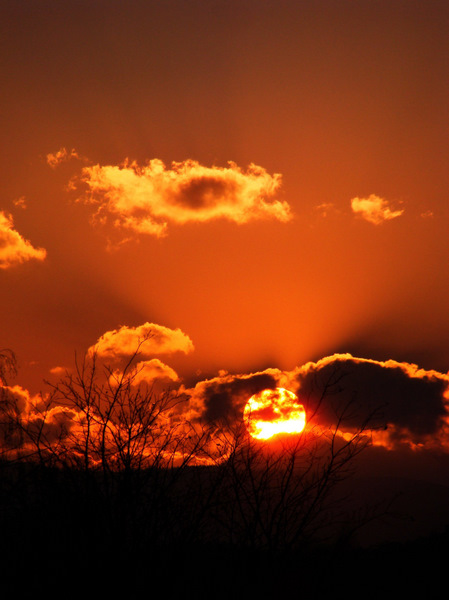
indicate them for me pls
(271, 412)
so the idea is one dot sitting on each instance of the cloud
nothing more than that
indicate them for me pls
(402, 407)
(20, 202)
(400, 403)
(147, 371)
(62, 155)
(27, 420)
(222, 399)
(326, 208)
(146, 198)
(154, 338)
(374, 209)
(16, 398)
(58, 371)
(408, 404)
(14, 249)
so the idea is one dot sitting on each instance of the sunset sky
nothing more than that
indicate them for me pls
(260, 184)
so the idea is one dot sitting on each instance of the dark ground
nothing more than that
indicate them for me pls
(60, 535)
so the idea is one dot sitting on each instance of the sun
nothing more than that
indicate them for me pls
(272, 412)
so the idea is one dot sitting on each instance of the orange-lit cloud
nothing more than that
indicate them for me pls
(146, 198)
(62, 155)
(14, 249)
(156, 339)
(326, 208)
(16, 396)
(397, 404)
(20, 202)
(374, 209)
(148, 371)
(27, 421)
(58, 371)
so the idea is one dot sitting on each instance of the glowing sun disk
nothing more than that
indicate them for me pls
(271, 412)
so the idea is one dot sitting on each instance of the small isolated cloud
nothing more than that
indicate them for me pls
(58, 371)
(325, 209)
(145, 199)
(14, 249)
(62, 155)
(154, 339)
(374, 209)
(20, 202)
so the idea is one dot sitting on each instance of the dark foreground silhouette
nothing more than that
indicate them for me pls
(99, 493)
(63, 531)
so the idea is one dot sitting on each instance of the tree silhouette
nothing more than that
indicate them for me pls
(283, 494)
(135, 483)
(8, 365)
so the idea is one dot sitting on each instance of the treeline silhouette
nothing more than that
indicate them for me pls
(104, 486)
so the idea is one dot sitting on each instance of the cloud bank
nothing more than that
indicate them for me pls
(374, 209)
(14, 249)
(400, 406)
(399, 402)
(146, 198)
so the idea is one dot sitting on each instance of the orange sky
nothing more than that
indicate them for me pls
(295, 205)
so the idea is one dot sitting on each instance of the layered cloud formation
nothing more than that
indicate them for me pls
(374, 209)
(399, 402)
(14, 249)
(146, 198)
(398, 405)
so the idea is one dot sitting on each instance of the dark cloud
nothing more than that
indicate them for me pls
(411, 402)
(226, 400)
(223, 398)
(202, 192)
(399, 403)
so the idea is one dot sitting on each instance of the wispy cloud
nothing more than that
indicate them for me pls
(14, 249)
(62, 155)
(20, 202)
(374, 209)
(154, 339)
(146, 198)
(325, 209)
